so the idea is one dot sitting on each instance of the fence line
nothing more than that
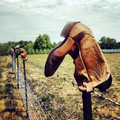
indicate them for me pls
(34, 102)
(22, 90)
(34, 97)
(36, 107)
(106, 98)
(37, 102)
(48, 95)
(54, 73)
(40, 102)
(77, 85)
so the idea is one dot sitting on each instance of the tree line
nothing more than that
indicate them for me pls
(109, 43)
(43, 45)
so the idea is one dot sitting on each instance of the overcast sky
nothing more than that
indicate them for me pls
(26, 19)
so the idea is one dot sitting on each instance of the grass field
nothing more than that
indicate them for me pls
(11, 104)
(68, 96)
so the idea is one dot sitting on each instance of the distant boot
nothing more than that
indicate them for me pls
(22, 53)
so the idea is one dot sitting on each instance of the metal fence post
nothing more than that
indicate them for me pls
(25, 87)
(17, 72)
(87, 109)
(15, 63)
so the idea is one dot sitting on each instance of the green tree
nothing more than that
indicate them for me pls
(107, 43)
(36, 51)
(44, 51)
(48, 50)
(4, 49)
(23, 43)
(40, 43)
(59, 42)
(118, 45)
(41, 51)
(48, 42)
(29, 51)
(32, 51)
(28, 47)
(111, 43)
(11, 43)
(54, 44)
(102, 42)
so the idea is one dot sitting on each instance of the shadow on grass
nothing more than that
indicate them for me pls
(11, 106)
(1, 70)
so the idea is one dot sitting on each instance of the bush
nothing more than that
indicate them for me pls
(41, 52)
(36, 51)
(44, 51)
(30, 51)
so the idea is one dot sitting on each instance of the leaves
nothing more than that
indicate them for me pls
(41, 45)
(108, 43)
(41, 42)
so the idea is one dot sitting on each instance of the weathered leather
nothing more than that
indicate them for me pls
(91, 68)
(11, 51)
(22, 53)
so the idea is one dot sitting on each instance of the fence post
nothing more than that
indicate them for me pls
(87, 109)
(12, 63)
(15, 63)
(17, 72)
(25, 87)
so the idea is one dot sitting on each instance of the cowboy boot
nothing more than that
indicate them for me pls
(22, 53)
(91, 69)
(96, 71)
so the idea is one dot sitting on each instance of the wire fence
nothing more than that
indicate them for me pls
(36, 107)
(77, 85)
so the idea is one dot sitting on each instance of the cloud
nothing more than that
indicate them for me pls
(27, 19)
(11, 1)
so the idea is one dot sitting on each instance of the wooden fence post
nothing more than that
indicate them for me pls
(25, 87)
(87, 109)
(12, 63)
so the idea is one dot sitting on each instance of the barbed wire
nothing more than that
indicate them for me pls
(30, 110)
(49, 96)
(35, 98)
(41, 102)
(106, 99)
(29, 86)
(54, 74)
(77, 85)
(39, 99)
(35, 64)
(34, 103)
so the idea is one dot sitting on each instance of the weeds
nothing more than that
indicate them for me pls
(9, 95)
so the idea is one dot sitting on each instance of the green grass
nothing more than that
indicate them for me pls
(68, 96)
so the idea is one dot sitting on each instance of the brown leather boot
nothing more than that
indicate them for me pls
(22, 53)
(91, 68)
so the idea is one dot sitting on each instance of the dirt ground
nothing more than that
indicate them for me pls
(11, 104)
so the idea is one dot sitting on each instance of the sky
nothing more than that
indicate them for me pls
(27, 19)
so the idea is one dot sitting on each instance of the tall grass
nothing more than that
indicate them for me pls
(68, 96)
